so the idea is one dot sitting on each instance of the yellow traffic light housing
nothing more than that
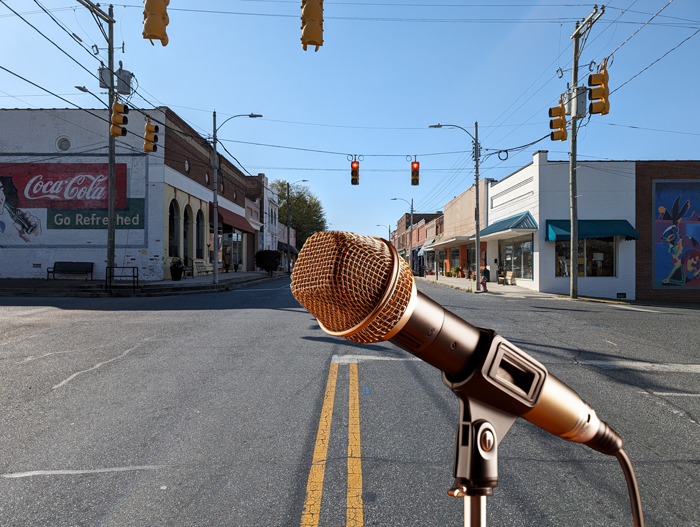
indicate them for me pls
(355, 173)
(599, 92)
(150, 138)
(119, 112)
(558, 122)
(311, 23)
(155, 18)
(415, 173)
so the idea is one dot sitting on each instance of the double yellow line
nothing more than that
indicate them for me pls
(314, 486)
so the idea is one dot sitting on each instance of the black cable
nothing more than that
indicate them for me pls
(47, 38)
(632, 487)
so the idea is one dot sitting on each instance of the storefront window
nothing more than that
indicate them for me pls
(454, 257)
(516, 256)
(173, 230)
(471, 258)
(596, 257)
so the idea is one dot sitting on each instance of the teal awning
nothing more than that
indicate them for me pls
(519, 221)
(561, 229)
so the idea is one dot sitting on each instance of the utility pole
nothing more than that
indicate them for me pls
(289, 257)
(215, 206)
(574, 98)
(111, 207)
(477, 148)
(410, 240)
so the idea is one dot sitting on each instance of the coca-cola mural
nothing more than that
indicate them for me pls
(35, 197)
(65, 185)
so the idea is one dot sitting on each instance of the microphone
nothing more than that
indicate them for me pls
(359, 288)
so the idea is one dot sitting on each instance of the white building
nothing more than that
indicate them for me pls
(54, 168)
(529, 219)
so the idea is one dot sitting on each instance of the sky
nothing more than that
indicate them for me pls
(386, 71)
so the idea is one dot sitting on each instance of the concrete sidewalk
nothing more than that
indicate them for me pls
(495, 289)
(123, 287)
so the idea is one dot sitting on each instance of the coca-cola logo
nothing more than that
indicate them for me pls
(80, 187)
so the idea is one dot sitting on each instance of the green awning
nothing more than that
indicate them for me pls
(561, 229)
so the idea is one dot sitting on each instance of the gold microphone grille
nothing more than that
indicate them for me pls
(340, 278)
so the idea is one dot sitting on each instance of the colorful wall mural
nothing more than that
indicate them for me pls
(676, 233)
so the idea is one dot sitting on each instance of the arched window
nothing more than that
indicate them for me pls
(200, 234)
(174, 230)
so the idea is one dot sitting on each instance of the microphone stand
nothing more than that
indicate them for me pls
(480, 431)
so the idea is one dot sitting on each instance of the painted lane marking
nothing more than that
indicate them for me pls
(65, 381)
(354, 512)
(354, 359)
(674, 394)
(611, 343)
(637, 309)
(314, 486)
(641, 366)
(73, 472)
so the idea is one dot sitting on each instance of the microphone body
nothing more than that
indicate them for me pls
(382, 303)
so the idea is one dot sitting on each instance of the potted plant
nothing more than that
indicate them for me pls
(457, 271)
(177, 267)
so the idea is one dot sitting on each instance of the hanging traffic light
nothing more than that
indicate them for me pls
(150, 138)
(311, 23)
(558, 123)
(355, 173)
(599, 92)
(155, 18)
(415, 173)
(119, 112)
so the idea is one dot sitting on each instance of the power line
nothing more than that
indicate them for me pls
(657, 60)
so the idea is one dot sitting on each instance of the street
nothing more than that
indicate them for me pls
(236, 409)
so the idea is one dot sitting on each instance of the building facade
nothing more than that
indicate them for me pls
(54, 174)
(638, 229)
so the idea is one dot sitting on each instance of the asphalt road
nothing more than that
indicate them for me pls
(208, 410)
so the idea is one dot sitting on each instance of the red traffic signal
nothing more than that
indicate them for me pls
(415, 173)
(355, 173)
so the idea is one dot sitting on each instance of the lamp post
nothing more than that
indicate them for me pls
(289, 203)
(477, 151)
(389, 229)
(215, 170)
(410, 237)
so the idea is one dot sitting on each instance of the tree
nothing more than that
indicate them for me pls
(306, 213)
(268, 260)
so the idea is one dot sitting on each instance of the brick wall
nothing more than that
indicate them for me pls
(646, 173)
(188, 145)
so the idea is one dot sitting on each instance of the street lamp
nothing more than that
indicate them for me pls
(388, 227)
(410, 238)
(477, 149)
(289, 203)
(215, 170)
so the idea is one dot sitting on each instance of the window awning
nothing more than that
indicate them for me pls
(231, 218)
(561, 229)
(281, 246)
(522, 223)
(426, 247)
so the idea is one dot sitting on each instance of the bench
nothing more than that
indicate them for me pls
(507, 279)
(189, 267)
(201, 268)
(70, 268)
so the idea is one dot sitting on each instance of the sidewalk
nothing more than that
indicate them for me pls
(77, 287)
(495, 289)
(514, 291)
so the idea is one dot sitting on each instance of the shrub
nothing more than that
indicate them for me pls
(268, 260)
(448, 274)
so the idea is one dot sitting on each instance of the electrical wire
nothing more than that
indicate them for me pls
(640, 28)
(657, 60)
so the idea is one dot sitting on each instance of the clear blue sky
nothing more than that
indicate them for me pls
(386, 71)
